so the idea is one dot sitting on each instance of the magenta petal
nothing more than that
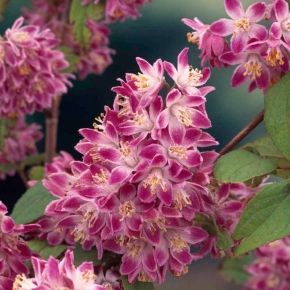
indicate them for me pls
(263, 81)
(238, 76)
(119, 174)
(183, 59)
(232, 206)
(275, 31)
(7, 224)
(256, 11)
(234, 8)
(172, 97)
(166, 195)
(110, 154)
(144, 66)
(193, 158)
(176, 132)
(239, 42)
(163, 119)
(148, 259)
(195, 235)
(152, 234)
(200, 120)
(170, 69)
(281, 9)
(183, 256)
(128, 265)
(232, 58)
(258, 31)
(222, 27)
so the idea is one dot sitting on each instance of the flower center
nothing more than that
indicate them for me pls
(88, 276)
(127, 209)
(181, 200)
(253, 68)
(24, 69)
(101, 177)
(178, 151)
(243, 24)
(99, 124)
(141, 82)
(274, 57)
(272, 281)
(182, 272)
(184, 117)
(194, 75)
(22, 282)
(39, 87)
(21, 36)
(124, 104)
(177, 244)
(134, 249)
(125, 149)
(154, 182)
(139, 119)
(143, 277)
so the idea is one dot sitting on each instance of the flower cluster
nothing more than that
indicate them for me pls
(119, 10)
(19, 142)
(96, 56)
(54, 274)
(270, 268)
(13, 250)
(30, 70)
(142, 178)
(260, 53)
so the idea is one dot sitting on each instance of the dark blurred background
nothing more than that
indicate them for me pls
(158, 34)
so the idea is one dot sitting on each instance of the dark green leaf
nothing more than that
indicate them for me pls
(71, 57)
(136, 285)
(224, 242)
(79, 14)
(265, 218)
(233, 269)
(277, 117)
(32, 204)
(82, 256)
(45, 250)
(241, 165)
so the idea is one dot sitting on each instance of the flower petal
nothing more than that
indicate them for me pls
(222, 27)
(234, 8)
(256, 11)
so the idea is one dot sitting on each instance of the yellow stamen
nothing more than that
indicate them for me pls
(21, 282)
(99, 124)
(139, 119)
(273, 281)
(88, 276)
(194, 75)
(101, 177)
(253, 69)
(143, 277)
(274, 57)
(177, 244)
(125, 149)
(134, 249)
(181, 200)
(184, 117)
(243, 24)
(141, 82)
(154, 182)
(178, 151)
(24, 69)
(21, 36)
(181, 273)
(127, 209)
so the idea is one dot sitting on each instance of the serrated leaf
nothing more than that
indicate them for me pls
(137, 285)
(81, 256)
(32, 204)
(233, 269)
(277, 117)
(36, 173)
(79, 15)
(241, 165)
(265, 218)
(45, 250)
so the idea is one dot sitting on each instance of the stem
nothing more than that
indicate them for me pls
(23, 177)
(51, 128)
(243, 133)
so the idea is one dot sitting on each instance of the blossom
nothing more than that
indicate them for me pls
(281, 10)
(55, 274)
(19, 142)
(243, 25)
(136, 191)
(31, 70)
(270, 267)
(14, 252)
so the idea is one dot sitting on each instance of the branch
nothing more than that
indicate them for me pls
(51, 128)
(243, 133)
(23, 177)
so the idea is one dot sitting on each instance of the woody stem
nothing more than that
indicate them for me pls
(51, 128)
(243, 133)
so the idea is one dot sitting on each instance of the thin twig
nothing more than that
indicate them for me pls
(23, 177)
(243, 133)
(51, 128)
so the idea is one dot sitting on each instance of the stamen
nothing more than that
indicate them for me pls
(253, 69)
(181, 200)
(194, 75)
(243, 24)
(178, 151)
(127, 209)
(177, 244)
(192, 37)
(154, 182)
(141, 82)
(274, 57)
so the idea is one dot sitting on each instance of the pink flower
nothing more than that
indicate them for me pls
(281, 10)
(55, 274)
(13, 250)
(31, 70)
(19, 143)
(211, 45)
(243, 25)
(142, 178)
(185, 76)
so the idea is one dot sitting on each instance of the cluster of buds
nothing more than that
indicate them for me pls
(96, 56)
(260, 53)
(143, 178)
(54, 274)
(19, 142)
(31, 70)
(13, 250)
(270, 268)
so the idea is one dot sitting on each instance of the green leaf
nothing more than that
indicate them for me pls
(241, 165)
(45, 250)
(277, 117)
(81, 256)
(224, 242)
(79, 14)
(32, 204)
(71, 57)
(2, 132)
(33, 160)
(36, 173)
(265, 218)
(233, 269)
(137, 285)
